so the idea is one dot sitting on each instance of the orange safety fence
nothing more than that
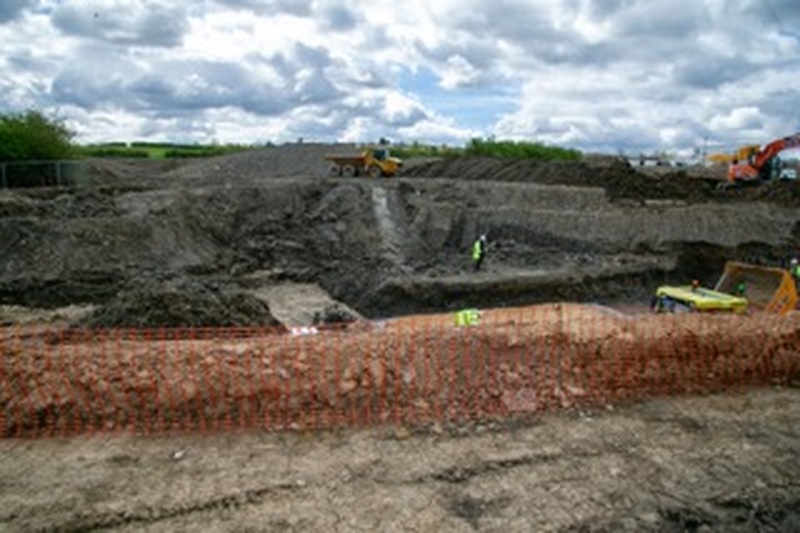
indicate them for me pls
(60, 382)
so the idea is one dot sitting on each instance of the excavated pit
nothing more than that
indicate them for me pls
(230, 229)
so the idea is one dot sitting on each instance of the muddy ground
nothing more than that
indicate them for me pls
(722, 464)
(136, 238)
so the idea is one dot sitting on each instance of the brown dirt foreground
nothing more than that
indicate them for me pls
(724, 463)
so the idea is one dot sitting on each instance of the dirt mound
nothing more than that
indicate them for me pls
(307, 159)
(181, 303)
(57, 204)
(112, 170)
(620, 180)
(780, 192)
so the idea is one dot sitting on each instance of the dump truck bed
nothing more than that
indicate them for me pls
(767, 288)
(759, 288)
(342, 160)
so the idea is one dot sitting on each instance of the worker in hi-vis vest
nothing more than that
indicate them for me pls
(468, 317)
(479, 252)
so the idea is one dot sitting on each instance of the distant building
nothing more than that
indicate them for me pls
(654, 161)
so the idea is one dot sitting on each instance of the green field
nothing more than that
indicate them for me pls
(144, 150)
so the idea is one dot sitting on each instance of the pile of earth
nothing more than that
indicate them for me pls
(183, 302)
(290, 160)
(620, 180)
(110, 170)
(59, 204)
(248, 166)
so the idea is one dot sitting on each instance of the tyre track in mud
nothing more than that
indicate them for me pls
(89, 521)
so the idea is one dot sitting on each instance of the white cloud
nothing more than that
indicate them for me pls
(459, 72)
(399, 108)
(738, 119)
(439, 130)
(617, 75)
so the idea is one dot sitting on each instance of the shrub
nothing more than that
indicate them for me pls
(31, 136)
(520, 150)
(423, 150)
(490, 148)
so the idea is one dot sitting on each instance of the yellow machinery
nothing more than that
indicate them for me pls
(686, 298)
(763, 164)
(767, 289)
(374, 162)
(742, 286)
(742, 154)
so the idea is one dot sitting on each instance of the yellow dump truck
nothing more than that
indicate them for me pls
(741, 287)
(373, 162)
(686, 298)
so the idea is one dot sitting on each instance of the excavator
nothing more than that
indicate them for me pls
(760, 165)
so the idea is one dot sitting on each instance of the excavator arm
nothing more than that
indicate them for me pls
(758, 166)
(772, 149)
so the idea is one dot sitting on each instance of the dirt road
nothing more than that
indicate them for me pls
(703, 464)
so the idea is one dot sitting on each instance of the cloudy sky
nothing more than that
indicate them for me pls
(610, 75)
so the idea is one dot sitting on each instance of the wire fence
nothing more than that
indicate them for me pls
(66, 382)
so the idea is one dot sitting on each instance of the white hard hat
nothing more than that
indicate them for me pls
(794, 261)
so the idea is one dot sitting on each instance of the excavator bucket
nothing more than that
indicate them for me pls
(767, 289)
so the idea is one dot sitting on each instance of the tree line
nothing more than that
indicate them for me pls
(490, 148)
(32, 136)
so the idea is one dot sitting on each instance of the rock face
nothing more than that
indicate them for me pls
(196, 230)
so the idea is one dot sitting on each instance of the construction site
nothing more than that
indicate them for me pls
(253, 342)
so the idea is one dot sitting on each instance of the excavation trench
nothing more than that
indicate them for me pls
(150, 251)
